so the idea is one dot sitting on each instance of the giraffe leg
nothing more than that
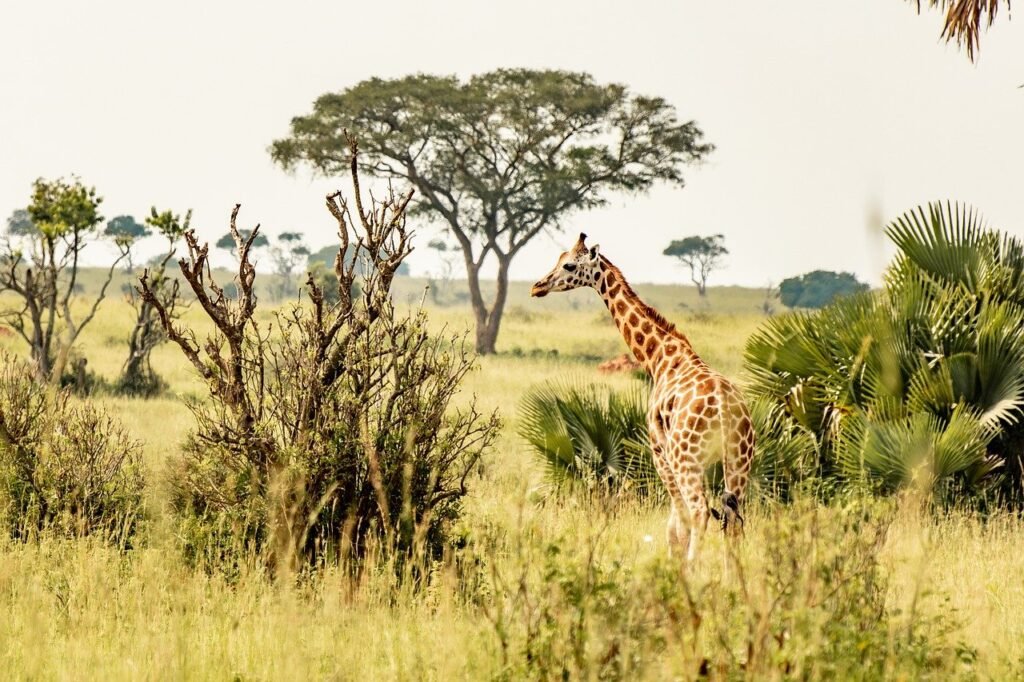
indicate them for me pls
(691, 486)
(739, 452)
(698, 525)
(675, 530)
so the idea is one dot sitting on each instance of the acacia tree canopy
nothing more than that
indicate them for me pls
(125, 227)
(498, 158)
(19, 223)
(227, 242)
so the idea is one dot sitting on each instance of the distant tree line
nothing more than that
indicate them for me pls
(817, 289)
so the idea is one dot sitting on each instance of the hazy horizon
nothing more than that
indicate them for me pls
(827, 117)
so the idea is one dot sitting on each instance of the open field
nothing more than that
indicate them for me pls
(77, 608)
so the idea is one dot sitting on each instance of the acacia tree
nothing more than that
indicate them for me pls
(137, 375)
(440, 287)
(39, 264)
(289, 252)
(499, 158)
(126, 229)
(20, 223)
(227, 242)
(701, 254)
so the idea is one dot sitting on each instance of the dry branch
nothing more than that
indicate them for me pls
(338, 409)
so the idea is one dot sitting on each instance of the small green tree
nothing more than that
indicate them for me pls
(819, 288)
(701, 254)
(137, 375)
(40, 266)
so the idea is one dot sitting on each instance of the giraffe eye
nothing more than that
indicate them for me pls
(570, 267)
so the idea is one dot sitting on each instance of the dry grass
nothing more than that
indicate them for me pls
(78, 610)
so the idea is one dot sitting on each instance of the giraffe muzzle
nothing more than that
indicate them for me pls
(539, 290)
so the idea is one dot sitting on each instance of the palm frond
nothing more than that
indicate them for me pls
(965, 19)
(943, 240)
(921, 383)
(590, 435)
(918, 451)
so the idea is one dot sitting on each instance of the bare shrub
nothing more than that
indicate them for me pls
(332, 428)
(65, 468)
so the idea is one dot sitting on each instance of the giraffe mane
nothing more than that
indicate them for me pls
(656, 317)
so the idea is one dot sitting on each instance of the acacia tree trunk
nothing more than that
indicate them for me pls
(701, 280)
(488, 321)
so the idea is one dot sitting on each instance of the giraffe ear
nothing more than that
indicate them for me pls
(594, 251)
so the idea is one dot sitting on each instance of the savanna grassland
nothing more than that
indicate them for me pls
(548, 583)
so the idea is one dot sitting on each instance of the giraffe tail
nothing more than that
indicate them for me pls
(730, 514)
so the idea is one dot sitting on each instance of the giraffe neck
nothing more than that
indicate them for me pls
(654, 341)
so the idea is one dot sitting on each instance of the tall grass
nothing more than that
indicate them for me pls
(79, 609)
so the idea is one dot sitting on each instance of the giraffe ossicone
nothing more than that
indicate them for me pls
(696, 416)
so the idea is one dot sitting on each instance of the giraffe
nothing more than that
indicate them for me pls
(695, 415)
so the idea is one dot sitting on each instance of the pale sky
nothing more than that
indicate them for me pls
(823, 113)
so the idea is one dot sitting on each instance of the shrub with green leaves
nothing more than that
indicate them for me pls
(590, 435)
(919, 384)
(65, 467)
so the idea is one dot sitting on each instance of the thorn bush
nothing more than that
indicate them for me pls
(330, 431)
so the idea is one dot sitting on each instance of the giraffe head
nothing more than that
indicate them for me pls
(580, 266)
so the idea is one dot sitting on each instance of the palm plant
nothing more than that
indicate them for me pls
(964, 19)
(590, 435)
(919, 383)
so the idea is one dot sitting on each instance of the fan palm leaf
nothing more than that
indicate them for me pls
(921, 383)
(589, 434)
(917, 451)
